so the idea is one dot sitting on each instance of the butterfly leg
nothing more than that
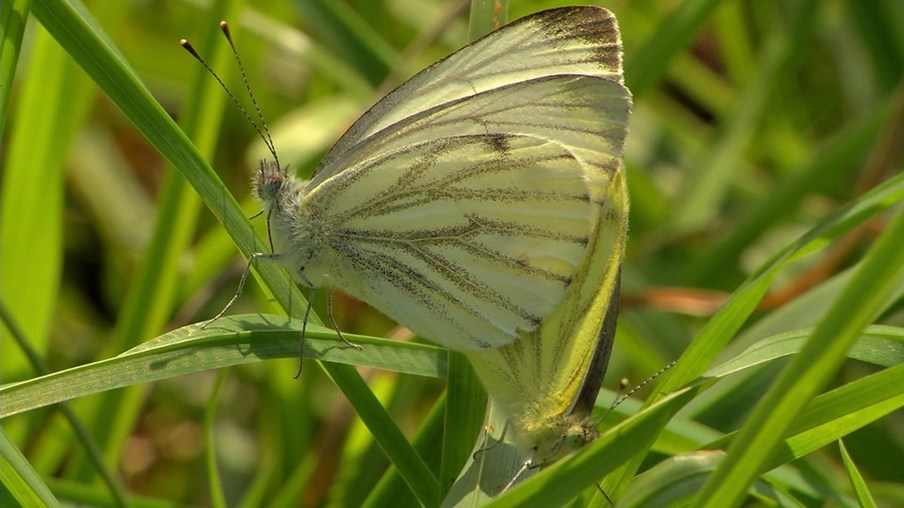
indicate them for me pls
(241, 287)
(304, 326)
(329, 311)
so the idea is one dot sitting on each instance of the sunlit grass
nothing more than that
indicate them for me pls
(764, 165)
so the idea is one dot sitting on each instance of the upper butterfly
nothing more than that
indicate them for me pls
(463, 203)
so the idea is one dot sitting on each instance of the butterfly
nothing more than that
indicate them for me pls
(547, 382)
(544, 386)
(467, 202)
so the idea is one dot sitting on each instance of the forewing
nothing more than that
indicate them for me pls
(465, 197)
(571, 41)
(466, 240)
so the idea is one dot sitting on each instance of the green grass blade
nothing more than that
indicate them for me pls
(828, 164)
(486, 16)
(149, 302)
(218, 499)
(20, 484)
(863, 495)
(391, 488)
(841, 411)
(31, 222)
(707, 186)
(466, 405)
(350, 37)
(566, 479)
(87, 45)
(411, 466)
(879, 345)
(644, 67)
(92, 450)
(809, 370)
(231, 340)
(12, 25)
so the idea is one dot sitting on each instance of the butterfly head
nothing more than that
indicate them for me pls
(559, 439)
(575, 437)
(269, 181)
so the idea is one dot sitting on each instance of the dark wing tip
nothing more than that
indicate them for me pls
(594, 25)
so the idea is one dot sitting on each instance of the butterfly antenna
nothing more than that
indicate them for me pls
(263, 131)
(624, 382)
(643, 383)
(268, 140)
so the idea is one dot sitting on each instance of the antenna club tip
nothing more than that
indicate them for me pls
(188, 47)
(224, 26)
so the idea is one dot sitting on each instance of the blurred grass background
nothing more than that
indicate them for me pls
(753, 121)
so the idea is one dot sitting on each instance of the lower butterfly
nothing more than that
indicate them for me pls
(547, 382)
(466, 203)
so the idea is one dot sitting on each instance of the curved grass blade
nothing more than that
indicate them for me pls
(231, 340)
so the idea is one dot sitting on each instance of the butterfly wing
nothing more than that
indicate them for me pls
(466, 240)
(548, 381)
(570, 41)
(495, 254)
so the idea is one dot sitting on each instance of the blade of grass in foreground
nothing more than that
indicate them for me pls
(725, 324)
(863, 495)
(566, 479)
(805, 375)
(230, 340)
(22, 483)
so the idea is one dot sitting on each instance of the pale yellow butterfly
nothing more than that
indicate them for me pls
(547, 382)
(466, 202)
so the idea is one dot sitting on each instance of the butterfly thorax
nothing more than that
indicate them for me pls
(297, 237)
(553, 438)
